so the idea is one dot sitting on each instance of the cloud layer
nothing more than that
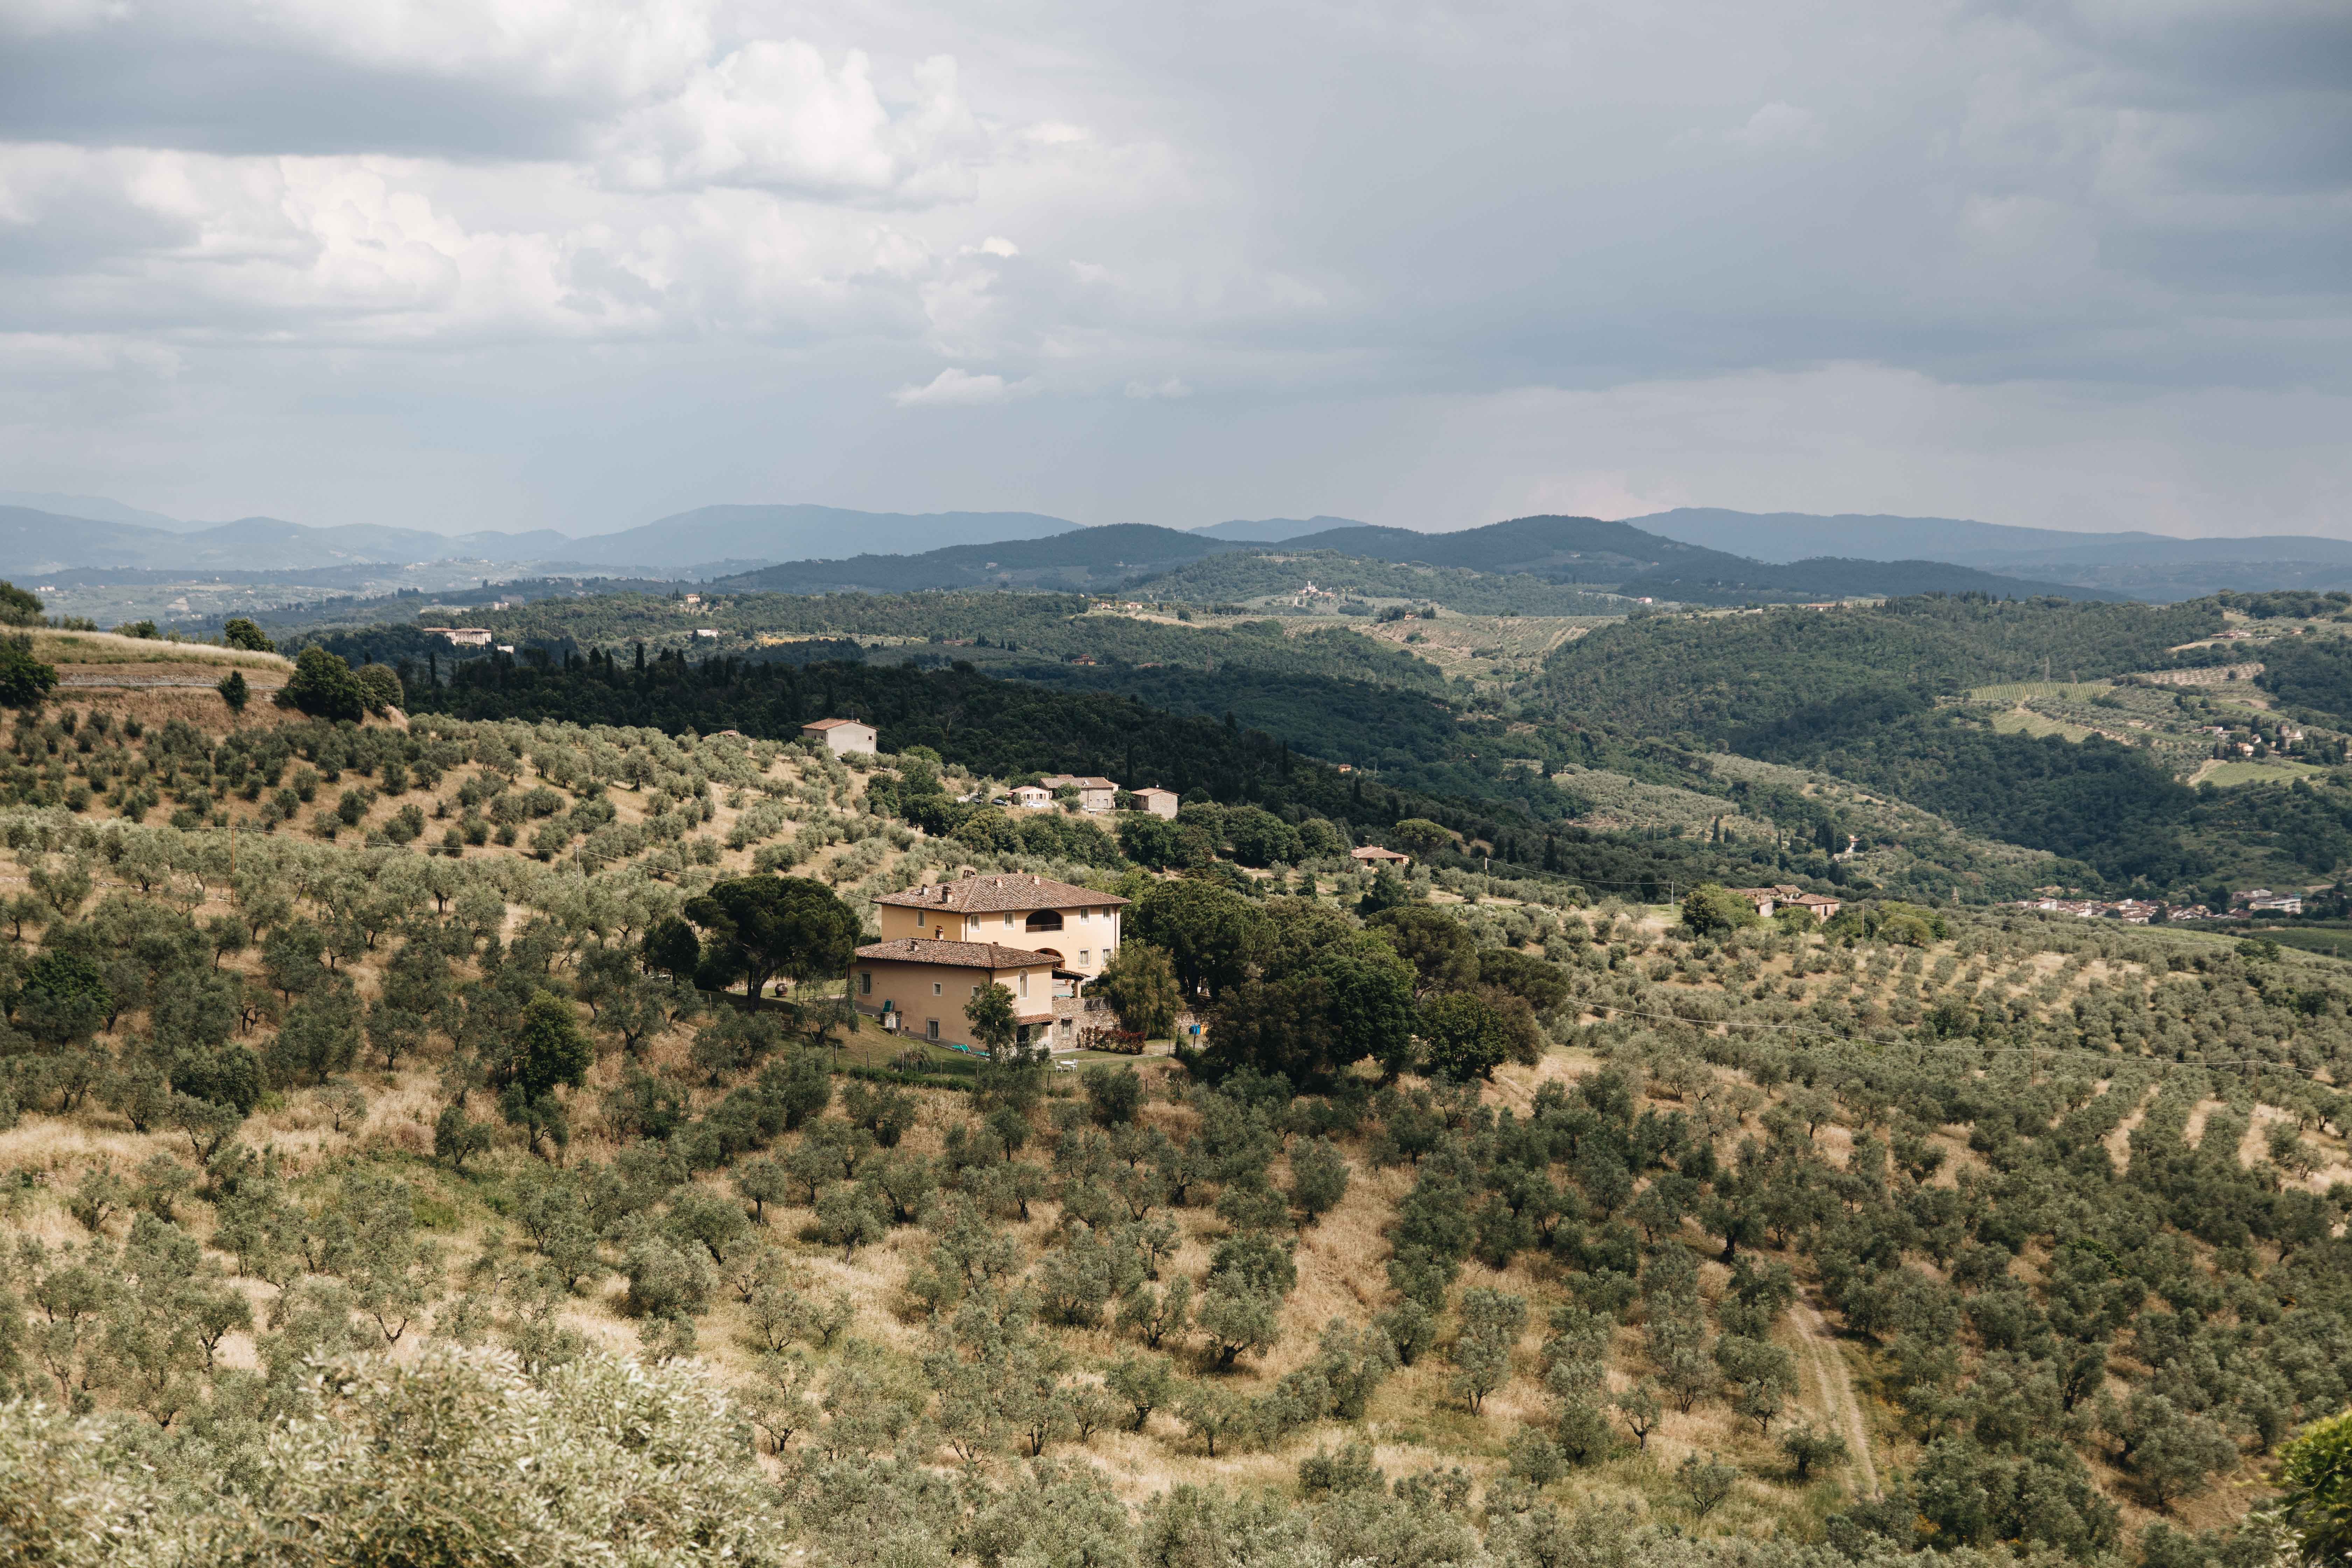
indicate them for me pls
(518, 262)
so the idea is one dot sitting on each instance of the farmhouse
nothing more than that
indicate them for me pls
(926, 983)
(1095, 794)
(1785, 896)
(841, 736)
(1373, 854)
(1075, 928)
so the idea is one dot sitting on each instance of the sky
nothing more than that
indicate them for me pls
(584, 263)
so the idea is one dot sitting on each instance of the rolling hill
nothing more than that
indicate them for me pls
(2144, 566)
(1087, 557)
(34, 541)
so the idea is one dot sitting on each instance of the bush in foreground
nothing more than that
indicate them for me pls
(597, 1461)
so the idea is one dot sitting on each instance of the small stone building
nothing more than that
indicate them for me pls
(1156, 801)
(841, 736)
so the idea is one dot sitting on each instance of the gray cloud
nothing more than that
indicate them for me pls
(375, 261)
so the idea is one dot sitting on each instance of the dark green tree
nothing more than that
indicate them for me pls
(989, 1013)
(239, 632)
(323, 686)
(25, 681)
(65, 998)
(20, 608)
(1444, 954)
(1711, 909)
(1211, 935)
(2315, 1482)
(1464, 1036)
(1140, 984)
(761, 927)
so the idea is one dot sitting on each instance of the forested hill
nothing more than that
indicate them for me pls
(1853, 691)
(1744, 679)
(1010, 727)
(1085, 557)
(1561, 549)
(1833, 577)
(1556, 550)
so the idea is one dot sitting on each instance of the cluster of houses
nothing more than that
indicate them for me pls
(2285, 738)
(2144, 911)
(1096, 795)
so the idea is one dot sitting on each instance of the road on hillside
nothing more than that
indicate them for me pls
(1842, 1409)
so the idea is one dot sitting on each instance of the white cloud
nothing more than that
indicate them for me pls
(1174, 387)
(774, 114)
(1778, 125)
(953, 388)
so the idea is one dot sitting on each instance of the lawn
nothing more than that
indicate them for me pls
(2026, 690)
(2021, 720)
(2229, 775)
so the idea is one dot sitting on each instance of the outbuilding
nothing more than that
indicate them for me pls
(841, 736)
(1156, 801)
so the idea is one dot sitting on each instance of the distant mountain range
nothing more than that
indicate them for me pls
(2139, 565)
(721, 538)
(1570, 550)
(1081, 559)
(1690, 553)
(1275, 529)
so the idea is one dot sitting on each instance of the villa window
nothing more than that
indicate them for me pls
(865, 982)
(1045, 919)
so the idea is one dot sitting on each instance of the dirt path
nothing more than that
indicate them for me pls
(1842, 1409)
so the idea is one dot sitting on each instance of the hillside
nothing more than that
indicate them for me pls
(1834, 577)
(1938, 704)
(2023, 1221)
(1086, 557)
(2140, 565)
(35, 540)
(1561, 549)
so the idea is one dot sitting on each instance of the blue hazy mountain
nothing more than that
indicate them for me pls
(35, 540)
(1275, 529)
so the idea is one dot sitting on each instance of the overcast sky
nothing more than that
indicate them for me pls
(580, 263)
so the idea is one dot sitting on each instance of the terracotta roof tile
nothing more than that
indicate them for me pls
(1013, 892)
(955, 955)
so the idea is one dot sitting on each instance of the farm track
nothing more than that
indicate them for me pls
(1842, 1408)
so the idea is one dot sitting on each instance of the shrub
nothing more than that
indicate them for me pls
(239, 632)
(324, 687)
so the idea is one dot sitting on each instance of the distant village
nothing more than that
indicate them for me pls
(2142, 911)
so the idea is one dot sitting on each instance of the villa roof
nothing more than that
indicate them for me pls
(1010, 891)
(955, 955)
